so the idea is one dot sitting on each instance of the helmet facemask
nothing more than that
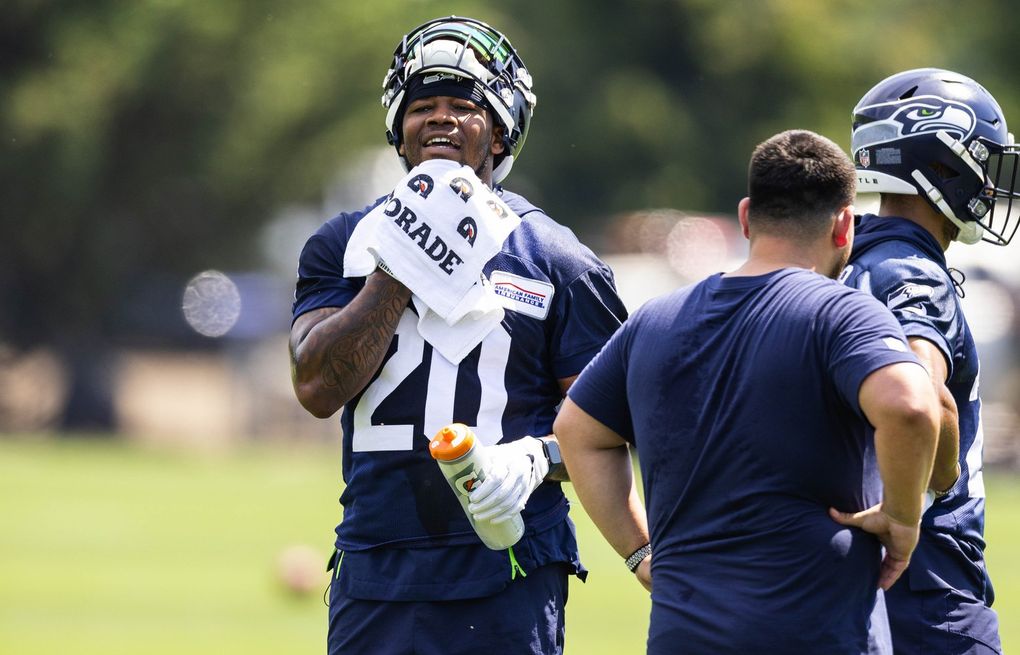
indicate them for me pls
(1002, 219)
(468, 49)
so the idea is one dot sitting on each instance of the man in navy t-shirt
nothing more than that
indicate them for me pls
(755, 400)
(953, 178)
(409, 574)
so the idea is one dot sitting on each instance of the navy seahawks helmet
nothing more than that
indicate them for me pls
(941, 135)
(469, 49)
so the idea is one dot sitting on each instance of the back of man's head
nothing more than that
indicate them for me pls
(797, 180)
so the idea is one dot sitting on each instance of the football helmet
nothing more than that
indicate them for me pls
(941, 135)
(470, 49)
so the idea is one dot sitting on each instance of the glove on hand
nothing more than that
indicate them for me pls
(513, 471)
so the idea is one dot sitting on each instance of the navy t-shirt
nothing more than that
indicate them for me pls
(741, 396)
(404, 535)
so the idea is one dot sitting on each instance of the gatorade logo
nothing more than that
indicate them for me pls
(467, 482)
(462, 188)
(468, 229)
(422, 185)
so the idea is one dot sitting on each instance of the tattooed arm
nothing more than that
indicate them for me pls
(335, 351)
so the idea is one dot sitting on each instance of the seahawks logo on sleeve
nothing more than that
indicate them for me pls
(910, 297)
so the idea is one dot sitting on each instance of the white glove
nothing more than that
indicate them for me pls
(513, 471)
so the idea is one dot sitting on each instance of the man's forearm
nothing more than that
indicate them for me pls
(604, 482)
(335, 355)
(947, 455)
(900, 403)
(945, 470)
(598, 462)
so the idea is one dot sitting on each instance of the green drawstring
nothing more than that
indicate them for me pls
(515, 567)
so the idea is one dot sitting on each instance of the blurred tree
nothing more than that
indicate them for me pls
(145, 141)
(658, 103)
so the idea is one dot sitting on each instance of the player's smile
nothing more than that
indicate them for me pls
(440, 144)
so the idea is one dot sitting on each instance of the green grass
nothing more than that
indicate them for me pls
(111, 548)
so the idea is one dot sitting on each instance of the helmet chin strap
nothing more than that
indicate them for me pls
(970, 232)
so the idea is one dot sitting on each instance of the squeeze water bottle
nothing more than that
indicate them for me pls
(462, 461)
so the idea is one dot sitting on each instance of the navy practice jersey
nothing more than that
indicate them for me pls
(902, 265)
(741, 396)
(561, 308)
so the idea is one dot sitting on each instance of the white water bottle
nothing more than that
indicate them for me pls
(462, 461)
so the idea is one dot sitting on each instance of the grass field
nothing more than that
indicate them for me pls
(109, 548)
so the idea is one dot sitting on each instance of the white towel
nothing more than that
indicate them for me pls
(435, 233)
(455, 342)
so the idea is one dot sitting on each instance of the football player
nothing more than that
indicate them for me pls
(409, 573)
(935, 145)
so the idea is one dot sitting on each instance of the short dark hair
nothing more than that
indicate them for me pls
(797, 180)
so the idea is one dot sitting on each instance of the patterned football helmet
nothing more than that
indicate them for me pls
(941, 135)
(469, 49)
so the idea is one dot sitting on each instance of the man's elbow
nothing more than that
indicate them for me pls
(921, 416)
(315, 401)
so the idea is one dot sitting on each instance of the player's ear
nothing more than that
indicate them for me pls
(497, 147)
(843, 227)
(742, 210)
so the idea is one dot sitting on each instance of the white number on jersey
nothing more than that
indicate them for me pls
(442, 380)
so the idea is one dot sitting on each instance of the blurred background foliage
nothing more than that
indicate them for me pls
(145, 141)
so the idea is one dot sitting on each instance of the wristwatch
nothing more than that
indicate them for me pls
(557, 470)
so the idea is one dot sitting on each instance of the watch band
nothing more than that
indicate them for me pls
(557, 469)
(637, 557)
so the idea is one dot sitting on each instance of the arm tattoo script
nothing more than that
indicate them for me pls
(356, 353)
(343, 348)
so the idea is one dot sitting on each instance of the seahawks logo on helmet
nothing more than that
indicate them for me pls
(936, 114)
(923, 116)
(422, 185)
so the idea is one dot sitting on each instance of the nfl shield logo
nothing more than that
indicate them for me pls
(864, 157)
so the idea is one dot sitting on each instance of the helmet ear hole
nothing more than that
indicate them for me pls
(944, 172)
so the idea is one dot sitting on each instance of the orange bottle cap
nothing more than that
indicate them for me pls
(451, 442)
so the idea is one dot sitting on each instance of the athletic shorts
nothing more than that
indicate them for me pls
(525, 618)
(940, 620)
(941, 602)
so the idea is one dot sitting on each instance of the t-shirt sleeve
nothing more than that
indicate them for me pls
(586, 313)
(321, 282)
(920, 295)
(862, 337)
(601, 389)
